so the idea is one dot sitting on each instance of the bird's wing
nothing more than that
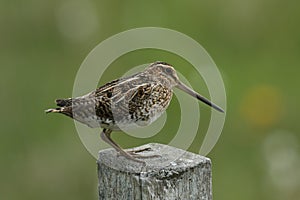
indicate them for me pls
(117, 83)
(104, 93)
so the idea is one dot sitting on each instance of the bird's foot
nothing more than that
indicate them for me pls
(135, 153)
(130, 157)
(135, 156)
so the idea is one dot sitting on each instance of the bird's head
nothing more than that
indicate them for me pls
(167, 72)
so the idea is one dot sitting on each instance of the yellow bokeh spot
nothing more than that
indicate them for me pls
(262, 106)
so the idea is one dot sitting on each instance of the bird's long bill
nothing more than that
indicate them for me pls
(191, 92)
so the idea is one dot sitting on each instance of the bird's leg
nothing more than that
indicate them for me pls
(105, 135)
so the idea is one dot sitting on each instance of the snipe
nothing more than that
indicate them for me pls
(127, 102)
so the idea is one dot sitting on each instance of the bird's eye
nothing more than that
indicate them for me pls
(168, 70)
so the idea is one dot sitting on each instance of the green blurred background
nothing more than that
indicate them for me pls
(255, 44)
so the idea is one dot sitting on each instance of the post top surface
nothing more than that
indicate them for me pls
(171, 160)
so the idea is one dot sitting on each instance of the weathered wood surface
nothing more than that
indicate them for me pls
(177, 174)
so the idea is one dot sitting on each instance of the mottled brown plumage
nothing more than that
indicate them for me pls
(137, 100)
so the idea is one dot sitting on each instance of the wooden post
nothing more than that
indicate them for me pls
(177, 174)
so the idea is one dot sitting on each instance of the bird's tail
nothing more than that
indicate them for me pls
(64, 102)
(65, 107)
(53, 110)
(64, 110)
